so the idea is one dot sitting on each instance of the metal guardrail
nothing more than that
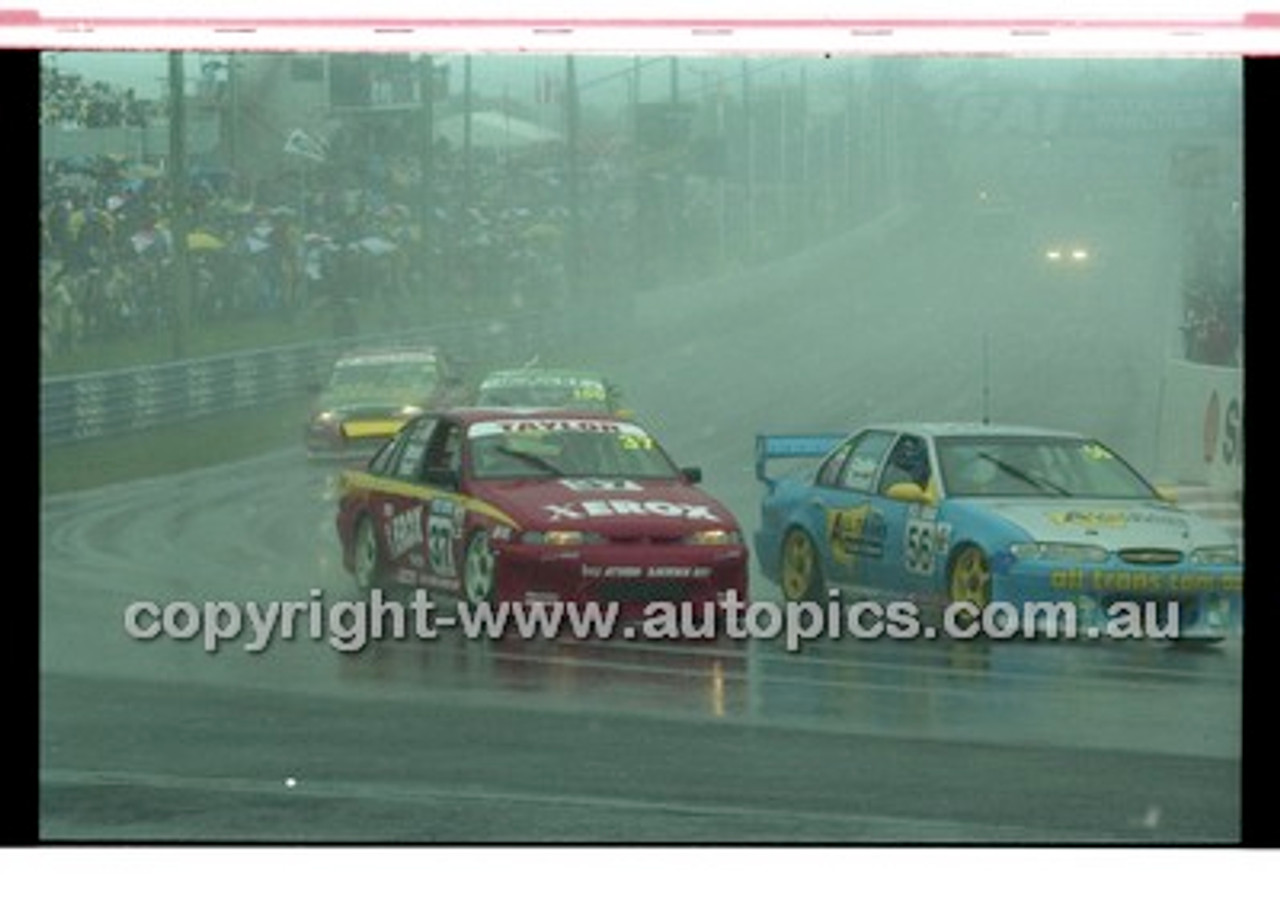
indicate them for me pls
(108, 403)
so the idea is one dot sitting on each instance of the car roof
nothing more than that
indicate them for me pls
(358, 357)
(532, 375)
(933, 429)
(472, 414)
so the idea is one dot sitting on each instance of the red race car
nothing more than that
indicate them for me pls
(500, 505)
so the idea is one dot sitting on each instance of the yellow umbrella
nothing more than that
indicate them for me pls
(203, 240)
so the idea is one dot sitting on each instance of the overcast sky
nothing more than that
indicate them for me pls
(146, 73)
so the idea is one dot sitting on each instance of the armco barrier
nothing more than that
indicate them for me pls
(102, 404)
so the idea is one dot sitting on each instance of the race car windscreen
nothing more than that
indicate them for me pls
(612, 451)
(1020, 466)
(382, 378)
(567, 395)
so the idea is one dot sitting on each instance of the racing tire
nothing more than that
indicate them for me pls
(479, 569)
(969, 580)
(800, 574)
(367, 562)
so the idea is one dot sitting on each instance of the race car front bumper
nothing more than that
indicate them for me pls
(348, 441)
(1183, 601)
(630, 575)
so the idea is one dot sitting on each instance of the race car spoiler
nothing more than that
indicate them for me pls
(770, 447)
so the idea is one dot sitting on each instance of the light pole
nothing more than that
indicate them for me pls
(177, 179)
(573, 245)
(426, 164)
(233, 116)
(748, 115)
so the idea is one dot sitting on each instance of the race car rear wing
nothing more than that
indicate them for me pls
(770, 447)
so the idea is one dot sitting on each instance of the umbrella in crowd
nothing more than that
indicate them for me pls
(203, 241)
(75, 181)
(150, 239)
(376, 246)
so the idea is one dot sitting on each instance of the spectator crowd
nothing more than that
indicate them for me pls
(70, 101)
(352, 227)
(346, 232)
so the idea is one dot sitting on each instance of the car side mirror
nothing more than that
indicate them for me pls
(692, 474)
(908, 492)
(445, 478)
(1167, 494)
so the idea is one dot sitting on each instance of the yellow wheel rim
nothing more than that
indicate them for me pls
(798, 565)
(971, 578)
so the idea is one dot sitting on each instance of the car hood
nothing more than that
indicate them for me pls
(615, 507)
(349, 403)
(1113, 524)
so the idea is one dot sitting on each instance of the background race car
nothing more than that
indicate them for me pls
(979, 514)
(509, 506)
(371, 394)
(550, 388)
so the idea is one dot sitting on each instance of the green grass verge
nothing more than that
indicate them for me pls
(184, 446)
(204, 340)
(216, 338)
(172, 448)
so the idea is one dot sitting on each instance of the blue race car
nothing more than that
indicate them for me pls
(985, 514)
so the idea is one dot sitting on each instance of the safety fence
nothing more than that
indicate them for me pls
(108, 403)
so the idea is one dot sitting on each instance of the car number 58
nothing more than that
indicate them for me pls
(917, 555)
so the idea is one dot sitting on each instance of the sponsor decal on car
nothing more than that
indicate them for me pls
(1112, 518)
(641, 571)
(604, 508)
(551, 425)
(600, 485)
(404, 531)
(854, 532)
(1145, 582)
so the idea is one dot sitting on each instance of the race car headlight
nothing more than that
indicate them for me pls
(560, 538)
(1058, 552)
(1215, 555)
(718, 537)
(326, 422)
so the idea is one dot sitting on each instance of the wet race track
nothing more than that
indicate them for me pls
(848, 741)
